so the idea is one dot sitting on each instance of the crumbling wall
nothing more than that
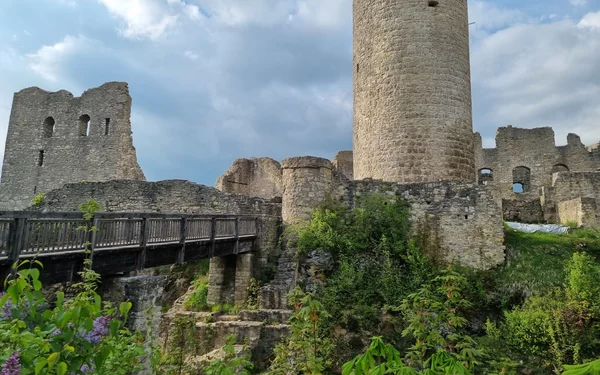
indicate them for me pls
(343, 162)
(257, 177)
(467, 220)
(523, 210)
(579, 211)
(530, 157)
(55, 138)
(571, 185)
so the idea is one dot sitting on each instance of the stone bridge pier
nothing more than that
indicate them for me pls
(230, 275)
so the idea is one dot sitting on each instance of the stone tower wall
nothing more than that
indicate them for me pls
(48, 142)
(307, 182)
(412, 91)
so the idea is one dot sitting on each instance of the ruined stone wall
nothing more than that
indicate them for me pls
(530, 156)
(55, 138)
(343, 162)
(523, 210)
(258, 177)
(571, 185)
(412, 91)
(464, 216)
(580, 211)
(171, 196)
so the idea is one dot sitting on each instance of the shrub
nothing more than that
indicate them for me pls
(197, 301)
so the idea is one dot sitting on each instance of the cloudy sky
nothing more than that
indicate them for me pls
(214, 80)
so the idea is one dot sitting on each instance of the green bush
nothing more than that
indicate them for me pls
(197, 301)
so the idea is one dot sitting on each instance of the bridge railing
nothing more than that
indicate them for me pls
(25, 234)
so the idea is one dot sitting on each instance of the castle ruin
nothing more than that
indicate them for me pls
(54, 139)
(413, 139)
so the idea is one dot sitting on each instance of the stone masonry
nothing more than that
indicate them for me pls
(531, 176)
(412, 91)
(55, 138)
(258, 177)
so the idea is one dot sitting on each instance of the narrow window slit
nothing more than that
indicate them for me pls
(106, 126)
(41, 158)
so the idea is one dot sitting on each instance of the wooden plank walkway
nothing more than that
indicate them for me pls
(121, 242)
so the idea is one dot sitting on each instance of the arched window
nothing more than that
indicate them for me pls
(485, 176)
(49, 127)
(560, 168)
(84, 125)
(521, 179)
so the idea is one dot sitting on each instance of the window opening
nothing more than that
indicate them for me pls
(357, 68)
(518, 188)
(433, 3)
(486, 176)
(521, 180)
(49, 127)
(84, 125)
(41, 158)
(560, 168)
(106, 126)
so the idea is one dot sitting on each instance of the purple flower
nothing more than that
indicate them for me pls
(6, 311)
(85, 368)
(99, 330)
(56, 332)
(12, 366)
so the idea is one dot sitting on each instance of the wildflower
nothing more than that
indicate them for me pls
(99, 330)
(12, 366)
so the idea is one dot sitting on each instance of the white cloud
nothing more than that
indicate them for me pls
(487, 15)
(578, 2)
(150, 19)
(540, 75)
(191, 55)
(48, 60)
(590, 20)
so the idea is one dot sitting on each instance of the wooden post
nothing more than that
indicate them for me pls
(213, 236)
(16, 239)
(181, 252)
(145, 230)
(92, 236)
(237, 235)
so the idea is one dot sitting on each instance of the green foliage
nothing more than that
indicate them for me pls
(197, 301)
(434, 321)
(560, 326)
(38, 200)
(592, 368)
(535, 261)
(89, 207)
(308, 349)
(253, 290)
(380, 358)
(231, 363)
(375, 261)
(74, 336)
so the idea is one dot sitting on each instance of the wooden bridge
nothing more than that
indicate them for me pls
(120, 242)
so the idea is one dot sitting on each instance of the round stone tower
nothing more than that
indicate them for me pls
(412, 91)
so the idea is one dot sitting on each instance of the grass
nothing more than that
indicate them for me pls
(536, 261)
(197, 301)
